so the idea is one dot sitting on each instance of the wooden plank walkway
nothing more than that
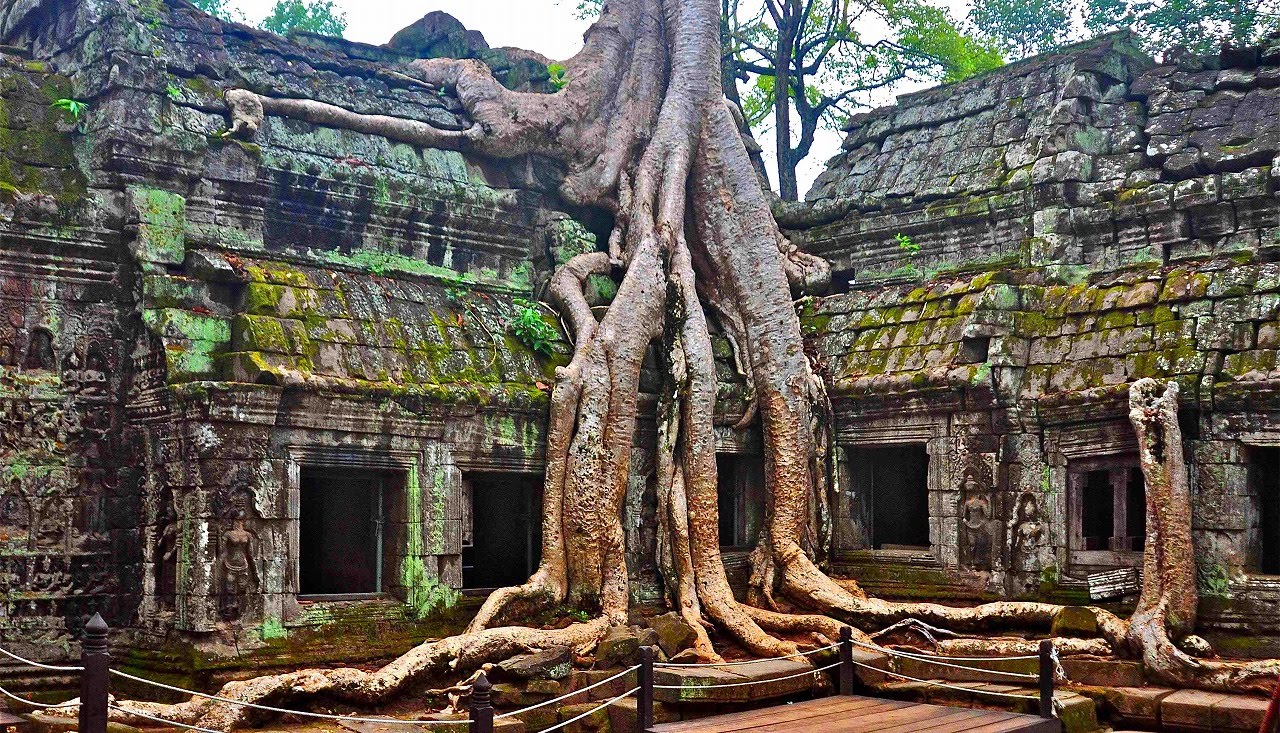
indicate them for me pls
(857, 714)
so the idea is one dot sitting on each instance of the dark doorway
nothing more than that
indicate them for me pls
(502, 529)
(1264, 479)
(891, 496)
(341, 531)
(741, 498)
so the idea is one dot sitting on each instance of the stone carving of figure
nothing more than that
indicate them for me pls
(1028, 531)
(239, 571)
(975, 516)
(167, 549)
(40, 351)
(93, 378)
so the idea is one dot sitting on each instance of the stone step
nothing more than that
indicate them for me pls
(1186, 711)
(1078, 713)
(699, 684)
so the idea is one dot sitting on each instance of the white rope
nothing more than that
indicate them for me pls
(34, 704)
(592, 711)
(749, 661)
(282, 711)
(936, 683)
(922, 655)
(38, 665)
(567, 695)
(936, 662)
(154, 719)
(744, 684)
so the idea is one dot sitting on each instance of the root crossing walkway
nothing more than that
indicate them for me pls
(857, 714)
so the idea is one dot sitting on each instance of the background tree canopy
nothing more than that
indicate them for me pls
(1027, 27)
(314, 16)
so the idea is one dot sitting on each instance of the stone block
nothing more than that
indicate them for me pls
(674, 634)
(582, 678)
(1075, 621)
(1239, 714)
(619, 647)
(1103, 672)
(591, 722)
(1189, 710)
(553, 664)
(1137, 705)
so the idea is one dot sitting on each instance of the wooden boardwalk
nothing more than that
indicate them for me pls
(856, 714)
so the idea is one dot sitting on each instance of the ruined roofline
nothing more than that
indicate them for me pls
(1101, 47)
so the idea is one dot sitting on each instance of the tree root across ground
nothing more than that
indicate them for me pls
(647, 137)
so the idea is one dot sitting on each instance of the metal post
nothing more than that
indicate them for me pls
(1048, 672)
(846, 660)
(94, 680)
(481, 707)
(644, 697)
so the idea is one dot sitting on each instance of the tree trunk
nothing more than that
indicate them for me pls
(1166, 609)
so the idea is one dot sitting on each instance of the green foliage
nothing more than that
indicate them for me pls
(557, 78)
(1213, 581)
(930, 32)
(1022, 28)
(531, 330)
(173, 92)
(455, 288)
(839, 56)
(1201, 26)
(313, 16)
(75, 111)
(223, 9)
(1026, 27)
(906, 245)
(588, 9)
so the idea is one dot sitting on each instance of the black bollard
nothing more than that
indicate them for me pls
(1048, 672)
(95, 679)
(846, 660)
(644, 696)
(481, 706)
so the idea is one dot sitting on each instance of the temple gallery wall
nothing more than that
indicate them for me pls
(230, 366)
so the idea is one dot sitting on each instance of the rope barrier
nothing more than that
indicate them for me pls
(744, 684)
(154, 719)
(38, 665)
(929, 659)
(936, 683)
(33, 703)
(924, 656)
(749, 661)
(282, 711)
(567, 695)
(592, 711)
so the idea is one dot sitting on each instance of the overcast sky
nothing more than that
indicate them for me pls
(546, 26)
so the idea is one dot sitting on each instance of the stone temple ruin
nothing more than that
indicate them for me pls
(230, 365)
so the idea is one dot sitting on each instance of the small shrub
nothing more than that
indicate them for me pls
(531, 330)
(905, 244)
(455, 288)
(557, 79)
(173, 92)
(75, 111)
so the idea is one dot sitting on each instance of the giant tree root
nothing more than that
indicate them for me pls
(355, 686)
